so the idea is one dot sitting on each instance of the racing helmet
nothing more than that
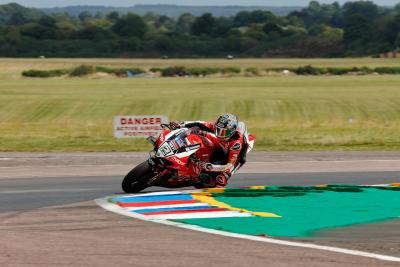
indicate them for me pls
(225, 126)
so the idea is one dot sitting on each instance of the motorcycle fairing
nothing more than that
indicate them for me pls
(176, 143)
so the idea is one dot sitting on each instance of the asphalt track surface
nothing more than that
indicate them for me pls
(42, 217)
(27, 193)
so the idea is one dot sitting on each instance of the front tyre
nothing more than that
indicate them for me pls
(136, 180)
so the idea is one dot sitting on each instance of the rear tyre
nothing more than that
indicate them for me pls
(136, 180)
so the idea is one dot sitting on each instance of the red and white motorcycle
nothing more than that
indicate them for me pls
(172, 163)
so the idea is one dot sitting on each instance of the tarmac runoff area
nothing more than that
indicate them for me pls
(35, 232)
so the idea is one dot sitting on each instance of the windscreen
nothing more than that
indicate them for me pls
(179, 141)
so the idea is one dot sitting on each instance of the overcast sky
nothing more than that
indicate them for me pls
(54, 3)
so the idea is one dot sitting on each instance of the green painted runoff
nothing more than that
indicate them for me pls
(304, 210)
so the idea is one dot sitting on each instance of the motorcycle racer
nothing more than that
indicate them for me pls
(229, 136)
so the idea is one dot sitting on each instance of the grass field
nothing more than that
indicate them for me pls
(286, 113)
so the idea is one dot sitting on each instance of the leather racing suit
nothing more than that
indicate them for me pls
(230, 154)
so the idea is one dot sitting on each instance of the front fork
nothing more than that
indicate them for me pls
(158, 171)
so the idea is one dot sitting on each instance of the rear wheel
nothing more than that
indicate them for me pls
(136, 180)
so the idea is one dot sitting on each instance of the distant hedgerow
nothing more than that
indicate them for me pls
(200, 71)
(388, 70)
(231, 70)
(119, 71)
(174, 71)
(252, 70)
(82, 70)
(179, 71)
(44, 73)
(156, 69)
(203, 71)
(310, 70)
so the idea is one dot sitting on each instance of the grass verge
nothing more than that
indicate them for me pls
(286, 113)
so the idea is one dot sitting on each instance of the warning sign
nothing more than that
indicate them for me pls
(138, 126)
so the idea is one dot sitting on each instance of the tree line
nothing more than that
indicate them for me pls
(319, 30)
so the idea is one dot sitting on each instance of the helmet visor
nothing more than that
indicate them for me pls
(224, 132)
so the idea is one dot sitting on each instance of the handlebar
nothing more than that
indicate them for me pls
(163, 125)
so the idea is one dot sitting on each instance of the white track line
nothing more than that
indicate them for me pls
(202, 215)
(151, 194)
(104, 203)
(169, 206)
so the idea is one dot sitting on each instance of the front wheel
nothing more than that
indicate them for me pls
(136, 180)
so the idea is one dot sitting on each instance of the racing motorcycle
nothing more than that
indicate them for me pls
(172, 162)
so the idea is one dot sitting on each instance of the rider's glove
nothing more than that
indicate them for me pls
(200, 166)
(196, 131)
(205, 166)
(173, 125)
